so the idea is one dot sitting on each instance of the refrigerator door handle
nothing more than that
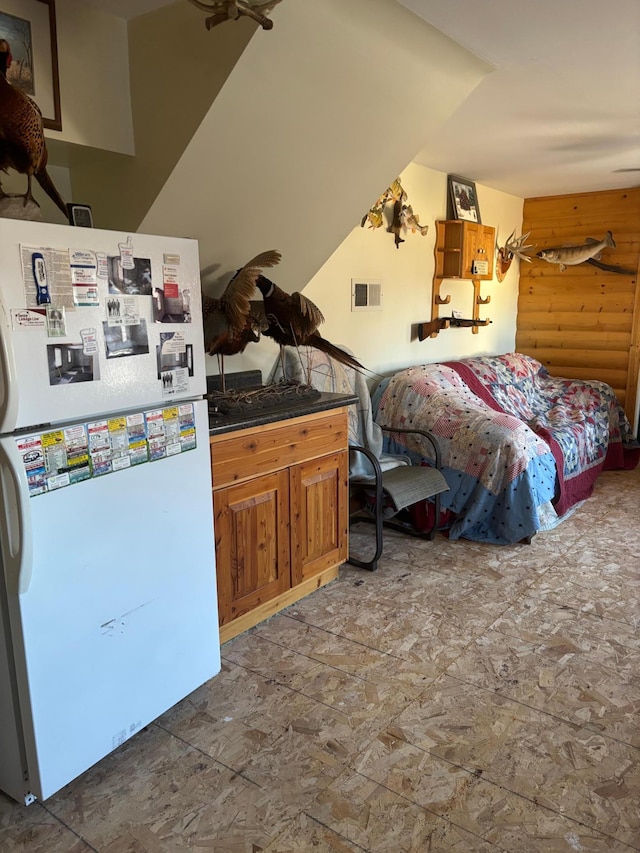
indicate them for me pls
(15, 521)
(8, 379)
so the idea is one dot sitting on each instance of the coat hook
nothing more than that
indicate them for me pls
(442, 300)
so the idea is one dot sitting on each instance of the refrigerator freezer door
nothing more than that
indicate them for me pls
(119, 621)
(13, 760)
(111, 339)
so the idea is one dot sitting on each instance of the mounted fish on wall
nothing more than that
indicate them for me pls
(588, 252)
(513, 248)
(403, 217)
(569, 256)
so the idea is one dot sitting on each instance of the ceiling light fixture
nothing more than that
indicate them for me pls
(231, 10)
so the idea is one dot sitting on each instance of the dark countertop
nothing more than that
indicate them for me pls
(243, 420)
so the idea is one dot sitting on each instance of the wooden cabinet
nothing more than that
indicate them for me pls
(252, 543)
(317, 502)
(280, 494)
(460, 245)
(463, 250)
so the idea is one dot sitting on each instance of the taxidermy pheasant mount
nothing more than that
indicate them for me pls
(293, 321)
(231, 322)
(231, 10)
(22, 143)
(403, 217)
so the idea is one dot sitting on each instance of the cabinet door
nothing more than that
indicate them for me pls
(252, 543)
(487, 241)
(319, 522)
(478, 246)
(472, 242)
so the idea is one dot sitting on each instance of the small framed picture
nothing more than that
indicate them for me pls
(80, 215)
(462, 199)
(28, 30)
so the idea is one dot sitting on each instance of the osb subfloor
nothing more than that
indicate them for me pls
(465, 698)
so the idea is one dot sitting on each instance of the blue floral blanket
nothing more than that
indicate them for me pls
(583, 422)
(514, 440)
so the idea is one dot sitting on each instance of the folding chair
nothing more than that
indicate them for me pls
(392, 482)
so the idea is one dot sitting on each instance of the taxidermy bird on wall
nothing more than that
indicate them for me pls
(22, 143)
(229, 322)
(231, 10)
(392, 194)
(293, 321)
(403, 219)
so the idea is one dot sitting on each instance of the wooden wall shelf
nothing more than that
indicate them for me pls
(463, 250)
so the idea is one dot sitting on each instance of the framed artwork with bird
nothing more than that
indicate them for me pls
(28, 36)
(22, 143)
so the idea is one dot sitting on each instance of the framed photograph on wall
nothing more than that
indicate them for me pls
(462, 198)
(28, 30)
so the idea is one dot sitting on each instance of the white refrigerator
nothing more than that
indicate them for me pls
(108, 610)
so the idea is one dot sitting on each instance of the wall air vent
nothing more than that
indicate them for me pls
(366, 294)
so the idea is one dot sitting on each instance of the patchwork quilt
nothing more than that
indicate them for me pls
(519, 448)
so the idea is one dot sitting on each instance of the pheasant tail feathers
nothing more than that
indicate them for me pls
(47, 185)
(334, 351)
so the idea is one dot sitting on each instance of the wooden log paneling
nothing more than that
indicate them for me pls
(581, 272)
(624, 238)
(615, 378)
(581, 290)
(584, 323)
(591, 358)
(592, 302)
(552, 339)
(602, 321)
(599, 207)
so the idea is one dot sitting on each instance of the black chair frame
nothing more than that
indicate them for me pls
(378, 484)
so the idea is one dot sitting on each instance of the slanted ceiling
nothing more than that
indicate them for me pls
(176, 70)
(314, 121)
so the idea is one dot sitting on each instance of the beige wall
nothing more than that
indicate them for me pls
(317, 118)
(382, 339)
(309, 128)
(177, 70)
(95, 100)
(310, 125)
(93, 61)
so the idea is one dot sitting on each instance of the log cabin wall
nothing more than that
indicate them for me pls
(584, 323)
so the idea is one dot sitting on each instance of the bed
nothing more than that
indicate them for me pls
(520, 448)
